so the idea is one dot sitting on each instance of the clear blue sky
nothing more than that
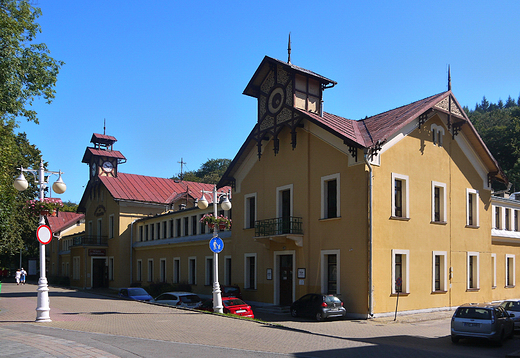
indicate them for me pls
(168, 76)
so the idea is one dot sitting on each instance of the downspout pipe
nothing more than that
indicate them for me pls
(368, 156)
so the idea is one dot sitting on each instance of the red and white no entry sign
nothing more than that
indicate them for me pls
(44, 234)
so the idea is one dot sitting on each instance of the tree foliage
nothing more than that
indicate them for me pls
(210, 172)
(499, 128)
(26, 69)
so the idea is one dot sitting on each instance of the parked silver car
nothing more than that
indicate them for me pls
(513, 308)
(179, 299)
(481, 320)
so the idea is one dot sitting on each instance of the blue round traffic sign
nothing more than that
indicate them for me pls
(216, 244)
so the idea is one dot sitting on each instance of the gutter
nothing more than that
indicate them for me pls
(370, 256)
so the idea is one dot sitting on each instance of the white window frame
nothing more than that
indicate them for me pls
(324, 270)
(162, 269)
(443, 271)
(99, 227)
(406, 270)
(476, 270)
(510, 271)
(111, 268)
(139, 270)
(494, 270)
(324, 195)
(443, 204)
(227, 269)
(247, 210)
(279, 191)
(76, 268)
(150, 270)
(176, 270)
(247, 271)
(208, 269)
(192, 274)
(475, 210)
(437, 135)
(406, 195)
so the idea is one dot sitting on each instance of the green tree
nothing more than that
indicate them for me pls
(26, 69)
(210, 172)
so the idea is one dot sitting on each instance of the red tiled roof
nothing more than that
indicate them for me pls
(143, 188)
(63, 220)
(89, 152)
(102, 138)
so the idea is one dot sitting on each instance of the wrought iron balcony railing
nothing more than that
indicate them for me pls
(279, 226)
(90, 241)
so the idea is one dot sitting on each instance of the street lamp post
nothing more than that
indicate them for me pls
(59, 187)
(202, 203)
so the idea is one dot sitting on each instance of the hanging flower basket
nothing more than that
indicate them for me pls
(209, 219)
(223, 222)
(46, 207)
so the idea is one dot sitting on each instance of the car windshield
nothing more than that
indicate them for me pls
(190, 299)
(473, 313)
(233, 302)
(137, 292)
(511, 306)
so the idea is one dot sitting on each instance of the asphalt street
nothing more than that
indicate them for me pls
(88, 324)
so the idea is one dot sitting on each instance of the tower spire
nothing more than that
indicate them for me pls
(449, 78)
(104, 126)
(289, 49)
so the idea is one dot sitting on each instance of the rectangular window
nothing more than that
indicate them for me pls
(209, 271)
(178, 227)
(90, 230)
(111, 227)
(473, 282)
(493, 270)
(194, 225)
(76, 268)
(330, 263)
(284, 207)
(440, 271)
(498, 218)
(250, 271)
(111, 268)
(330, 196)
(250, 211)
(510, 270)
(172, 232)
(400, 271)
(186, 230)
(438, 202)
(400, 197)
(515, 220)
(163, 270)
(507, 218)
(99, 227)
(472, 209)
(177, 270)
(202, 226)
(139, 269)
(227, 270)
(150, 270)
(192, 270)
(146, 233)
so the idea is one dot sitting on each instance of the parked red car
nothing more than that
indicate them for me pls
(231, 305)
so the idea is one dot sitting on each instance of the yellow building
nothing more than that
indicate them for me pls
(395, 205)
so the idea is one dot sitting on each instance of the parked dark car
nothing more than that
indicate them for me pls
(231, 291)
(319, 306)
(481, 320)
(135, 293)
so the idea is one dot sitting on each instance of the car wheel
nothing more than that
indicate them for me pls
(455, 339)
(319, 316)
(294, 313)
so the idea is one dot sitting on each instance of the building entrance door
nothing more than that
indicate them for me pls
(286, 280)
(99, 273)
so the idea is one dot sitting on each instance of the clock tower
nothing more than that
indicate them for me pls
(102, 159)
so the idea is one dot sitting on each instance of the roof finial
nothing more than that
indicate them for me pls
(289, 49)
(449, 78)
(104, 126)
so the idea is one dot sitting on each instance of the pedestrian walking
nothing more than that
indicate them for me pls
(18, 276)
(23, 274)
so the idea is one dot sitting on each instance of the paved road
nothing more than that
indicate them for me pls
(90, 325)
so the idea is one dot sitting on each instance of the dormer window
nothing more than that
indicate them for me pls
(437, 134)
(307, 94)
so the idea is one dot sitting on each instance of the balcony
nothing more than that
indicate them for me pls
(90, 241)
(279, 230)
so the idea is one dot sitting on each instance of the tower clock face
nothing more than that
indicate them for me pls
(107, 167)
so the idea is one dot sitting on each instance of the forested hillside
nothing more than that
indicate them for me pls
(499, 126)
